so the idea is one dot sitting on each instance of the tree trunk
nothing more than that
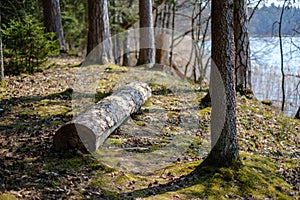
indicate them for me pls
(52, 21)
(297, 116)
(99, 30)
(224, 142)
(281, 54)
(90, 128)
(146, 55)
(242, 47)
(126, 49)
(1, 55)
(161, 49)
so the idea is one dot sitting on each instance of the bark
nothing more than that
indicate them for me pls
(242, 47)
(99, 30)
(89, 130)
(161, 49)
(52, 21)
(116, 41)
(146, 54)
(126, 48)
(297, 116)
(224, 152)
(1, 55)
(281, 55)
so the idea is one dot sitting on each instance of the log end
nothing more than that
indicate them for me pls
(74, 136)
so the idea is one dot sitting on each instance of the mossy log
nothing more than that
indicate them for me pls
(89, 129)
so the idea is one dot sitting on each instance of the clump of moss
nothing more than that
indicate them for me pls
(204, 111)
(110, 68)
(7, 197)
(266, 102)
(115, 141)
(66, 94)
(140, 123)
(101, 167)
(226, 174)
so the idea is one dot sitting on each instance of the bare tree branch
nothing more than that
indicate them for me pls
(255, 8)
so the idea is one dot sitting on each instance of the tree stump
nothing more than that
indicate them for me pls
(89, 129)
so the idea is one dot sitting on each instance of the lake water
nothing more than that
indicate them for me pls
(266, 74)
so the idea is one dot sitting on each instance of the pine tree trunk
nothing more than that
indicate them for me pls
(90, 128)
(161, 49)
(52, 21)
(126, 49)
(99, 30)
(297, 116)
(242, 46)
(1, 55)
(146, 54)
(224, 150)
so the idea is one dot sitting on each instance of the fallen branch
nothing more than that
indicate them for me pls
(89, 129)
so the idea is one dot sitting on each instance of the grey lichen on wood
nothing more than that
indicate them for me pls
(90, 128)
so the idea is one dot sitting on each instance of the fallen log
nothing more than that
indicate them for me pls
(89, 129)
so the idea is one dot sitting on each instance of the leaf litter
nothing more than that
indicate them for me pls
(30, 169)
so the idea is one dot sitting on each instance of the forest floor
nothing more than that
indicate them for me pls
(155, 154)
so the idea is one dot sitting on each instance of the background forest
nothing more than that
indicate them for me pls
(192, 19)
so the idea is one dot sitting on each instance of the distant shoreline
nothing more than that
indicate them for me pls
(263, 36)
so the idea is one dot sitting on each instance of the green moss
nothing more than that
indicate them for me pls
(227, 174)
(172, 114)
(266, 102)
(7, 197)
(170, 130)
(55, 123)
(115, 141)
(99, 96)
(115, 68)
(109, 181)
(55, 183)
(65, 163)
(159, 89)
(140, 123)
(195, 147)
(50, 110)
(257, 179)
(180, 169)
(44, 108)
(148, 102)
(18, 126)
(105, 85)
(110, 195)
(101, 167)
(64, 94)
(2, 84)
(205, 111)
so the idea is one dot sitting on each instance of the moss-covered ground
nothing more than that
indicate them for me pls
(33, 107)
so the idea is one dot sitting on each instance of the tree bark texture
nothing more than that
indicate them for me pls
(126, 49)
(162, 45)
(52, 21)
(297, 116)
(89, 129)
(242, 46)
(99, 30)
(224, 150)
(146, 54)
(1, 54)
